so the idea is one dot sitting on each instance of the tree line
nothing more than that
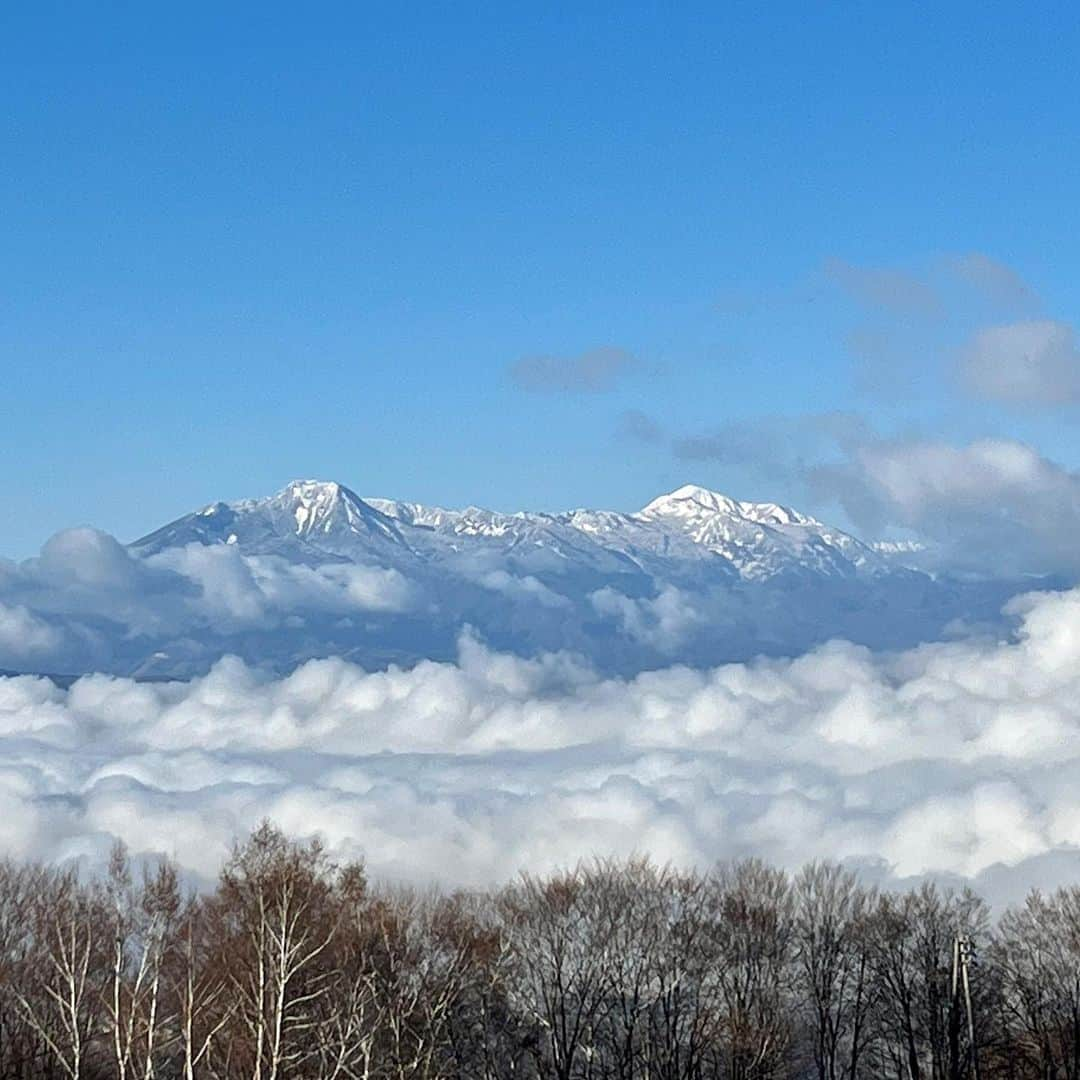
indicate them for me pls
(295, 967)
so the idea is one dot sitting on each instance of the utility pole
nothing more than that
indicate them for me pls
(954, 1014)
(963, 955)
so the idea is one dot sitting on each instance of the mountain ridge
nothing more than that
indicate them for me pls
(753, 540)
(694, 577)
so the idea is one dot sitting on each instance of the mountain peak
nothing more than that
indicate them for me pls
(692, 502)
(319, 505)
(308, 489)
(690, 493)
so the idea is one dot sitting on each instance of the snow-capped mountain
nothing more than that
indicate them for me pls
(326, 516)
(692, 525)
(317, 571)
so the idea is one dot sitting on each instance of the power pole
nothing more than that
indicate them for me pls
(963, 955)
(954, 1014)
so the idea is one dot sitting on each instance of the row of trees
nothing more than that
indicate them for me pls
(294, 967)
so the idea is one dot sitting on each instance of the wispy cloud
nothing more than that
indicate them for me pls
(639, 427)
(1024, 363)
(899, 292)
(592, 372)
(998, 283)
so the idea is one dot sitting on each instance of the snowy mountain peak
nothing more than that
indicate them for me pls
(692, 501)
(318, 505)
(690, 498)
(323, 515)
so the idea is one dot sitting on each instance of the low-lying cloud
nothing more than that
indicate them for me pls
(956, 758)
(86, 598)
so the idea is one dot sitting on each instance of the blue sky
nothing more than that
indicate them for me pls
(240, 246)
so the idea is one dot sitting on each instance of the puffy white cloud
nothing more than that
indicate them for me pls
(994, 505)
(88, 602)
(23, 636)
(521, 587)
(262, 589)
(960, 758)
(664, 621)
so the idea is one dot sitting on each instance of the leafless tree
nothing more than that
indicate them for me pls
(835, 962)
(199, 987)
(60, 987)
(684, 1018)
(753, 926)
(561, 933)
(913, 938)
(276, 915)
(1038, 955)
(293, 968)
(142, 922)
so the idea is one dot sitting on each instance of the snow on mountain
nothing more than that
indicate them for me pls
(751, 541)
(307, 517)
(760, 539)
(315, 570)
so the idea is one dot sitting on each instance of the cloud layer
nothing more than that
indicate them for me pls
(951, 758)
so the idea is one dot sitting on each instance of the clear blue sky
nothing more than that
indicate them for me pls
(244, 243)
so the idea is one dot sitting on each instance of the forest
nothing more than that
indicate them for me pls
(292, 966)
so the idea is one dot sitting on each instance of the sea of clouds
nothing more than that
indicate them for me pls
(958, 758)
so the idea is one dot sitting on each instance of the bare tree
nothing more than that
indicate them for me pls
(277, 918)
(560, 932)
(913, 938)
(295, 968)
(834, 954)
(25, 894)
(60, 986)
(684, 1018)
(199, 987)
(1037, 953)
(142, 920)
(753, 927)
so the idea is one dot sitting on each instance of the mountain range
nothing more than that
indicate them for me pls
(690, 527)
(315, 570)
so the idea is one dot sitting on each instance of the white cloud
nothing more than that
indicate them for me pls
(664, 621)
(898, 291)
(995, 505)
(959, 758)
(262, 589)
(23, 636)
(521, 587)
